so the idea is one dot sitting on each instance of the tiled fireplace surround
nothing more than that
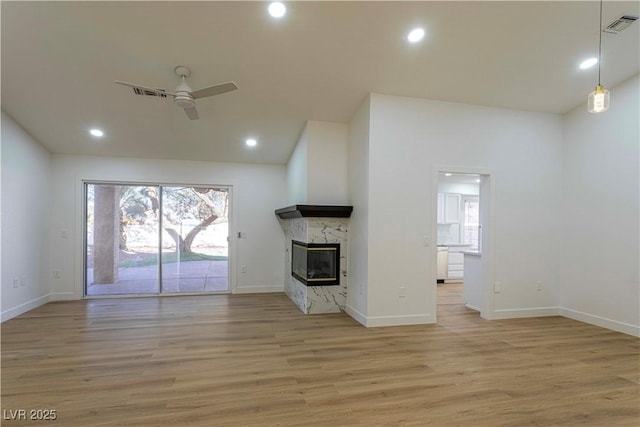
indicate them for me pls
(328, 226)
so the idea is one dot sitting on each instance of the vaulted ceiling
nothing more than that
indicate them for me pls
(319, 62)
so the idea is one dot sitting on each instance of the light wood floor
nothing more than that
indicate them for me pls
(255, 360)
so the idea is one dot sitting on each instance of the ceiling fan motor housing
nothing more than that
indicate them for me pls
(183, 96)
(184, 100)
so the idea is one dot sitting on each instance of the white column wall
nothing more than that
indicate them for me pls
(297, 172)
(358, 184)
(317, 168)
(600, 255)
(327, 163)
(410, 138)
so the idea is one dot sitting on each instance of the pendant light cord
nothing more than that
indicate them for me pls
(600, 43)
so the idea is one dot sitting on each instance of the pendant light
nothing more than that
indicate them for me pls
(598, 100)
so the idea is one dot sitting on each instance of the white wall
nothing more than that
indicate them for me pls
(297, 171)
(410, 138)
(358, 158)
(601, 213)
(26, 205)
(257, 191)
(473, 282)
(317, 168)
(327, 163)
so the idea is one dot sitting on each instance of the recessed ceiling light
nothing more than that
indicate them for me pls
(251, 142)
(448, 174)
(588, 63)
(478, 180)
(415, 35)
(277, 9)
(96, 132)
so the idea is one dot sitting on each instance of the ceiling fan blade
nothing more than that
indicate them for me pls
(144, 88)
(192, 113)
(214, 90)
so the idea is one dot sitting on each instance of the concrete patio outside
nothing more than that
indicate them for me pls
(177, 277)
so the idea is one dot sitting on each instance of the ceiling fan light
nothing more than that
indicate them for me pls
(598, 101)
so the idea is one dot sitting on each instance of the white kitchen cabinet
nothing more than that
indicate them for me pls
(440, 208)
(443, 263)
(448, 208)
(451, 208)
(455, 267)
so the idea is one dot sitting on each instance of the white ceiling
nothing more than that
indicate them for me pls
(59, 61)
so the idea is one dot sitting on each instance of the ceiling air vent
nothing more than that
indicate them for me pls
(620, 24)
(144, 92)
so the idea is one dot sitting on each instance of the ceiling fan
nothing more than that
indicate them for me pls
(183, 96)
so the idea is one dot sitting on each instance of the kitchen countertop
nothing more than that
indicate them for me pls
(471, 253)
(455, 245)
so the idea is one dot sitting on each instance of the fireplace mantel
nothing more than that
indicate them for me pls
(318, 211)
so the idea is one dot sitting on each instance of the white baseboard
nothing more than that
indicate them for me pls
(63, 296)
(580, 316)
(357, 316)
(377, 321)
(23, 308)
(603, 322)
(410, 319)
(472, 307)
(514, 313)
(258, 289)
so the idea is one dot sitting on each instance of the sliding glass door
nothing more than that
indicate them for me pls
(194, 244)
(151, 239)
(122, 235)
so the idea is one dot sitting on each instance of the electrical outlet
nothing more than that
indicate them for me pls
(538, 286)
(402, 292)
(243, 269)
(497, 287)
(23, 281)
(56, 274)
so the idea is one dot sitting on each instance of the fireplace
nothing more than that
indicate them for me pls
(315, 264)
(316, 255)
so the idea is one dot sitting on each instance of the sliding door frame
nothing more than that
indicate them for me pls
(231, 247)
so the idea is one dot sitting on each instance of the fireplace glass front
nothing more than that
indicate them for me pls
(315, 264)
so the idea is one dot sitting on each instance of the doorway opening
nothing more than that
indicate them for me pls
(155, 239)
(459, 243)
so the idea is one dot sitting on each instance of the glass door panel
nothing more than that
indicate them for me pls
(471, 221)
(122, 223)
(195, 249)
